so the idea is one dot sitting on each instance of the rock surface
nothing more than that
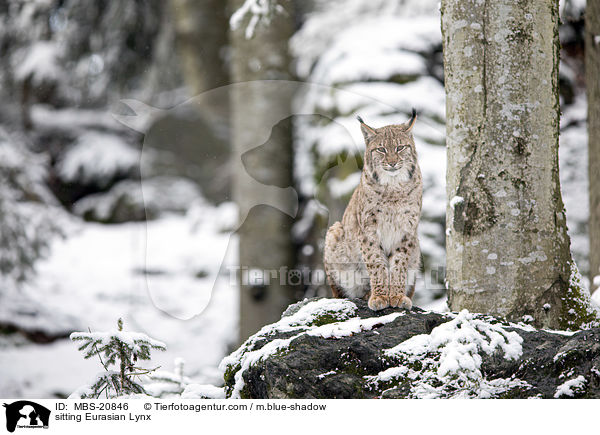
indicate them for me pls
(334, 348)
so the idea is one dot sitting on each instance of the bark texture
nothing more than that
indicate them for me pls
(265, 241)
(592, 76)
(508, 251)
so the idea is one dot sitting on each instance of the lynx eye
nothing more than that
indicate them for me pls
(400, 148)
(381, 150)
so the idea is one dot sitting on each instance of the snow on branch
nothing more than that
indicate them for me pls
(260, 11)
(29, 213)
(105, 343)
(40, 63)
(121, 349)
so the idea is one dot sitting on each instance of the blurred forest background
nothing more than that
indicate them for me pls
(112, 208)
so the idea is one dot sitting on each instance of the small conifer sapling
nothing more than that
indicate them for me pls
(118, 351)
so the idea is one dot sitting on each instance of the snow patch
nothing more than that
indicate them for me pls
(40, 63)
(570, 387)
(260, 11)
(323, 375)
(447, 362)
(456, 200)
(201, 391)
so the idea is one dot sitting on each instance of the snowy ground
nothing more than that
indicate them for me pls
(96, 276)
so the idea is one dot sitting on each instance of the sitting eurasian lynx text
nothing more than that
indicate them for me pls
(369, 253)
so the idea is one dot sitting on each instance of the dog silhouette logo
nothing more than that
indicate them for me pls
(26, 414)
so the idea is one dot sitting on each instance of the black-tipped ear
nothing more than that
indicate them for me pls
(408, 125)
(367, 131)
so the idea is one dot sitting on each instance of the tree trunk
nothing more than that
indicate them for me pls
(265, 241)
(592, 76)
(201, 37)
(508, 251)
(199, 133)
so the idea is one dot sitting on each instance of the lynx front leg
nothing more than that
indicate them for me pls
(414, 266)
(399, 264)
(377, 266)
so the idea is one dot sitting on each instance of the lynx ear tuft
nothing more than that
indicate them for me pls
(408, 125)
(367, 131)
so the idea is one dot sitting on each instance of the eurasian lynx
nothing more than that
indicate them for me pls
(370, 252)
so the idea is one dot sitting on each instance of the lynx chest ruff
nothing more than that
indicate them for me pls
(390, 231)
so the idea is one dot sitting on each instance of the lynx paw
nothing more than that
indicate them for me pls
(378, 302)
(401, 301)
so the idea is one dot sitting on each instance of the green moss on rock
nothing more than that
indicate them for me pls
(577, 311)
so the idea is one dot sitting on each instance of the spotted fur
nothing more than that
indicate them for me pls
(370, 252)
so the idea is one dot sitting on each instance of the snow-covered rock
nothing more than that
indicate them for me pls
(336, 348)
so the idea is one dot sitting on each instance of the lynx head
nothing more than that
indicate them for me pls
(390, 155)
